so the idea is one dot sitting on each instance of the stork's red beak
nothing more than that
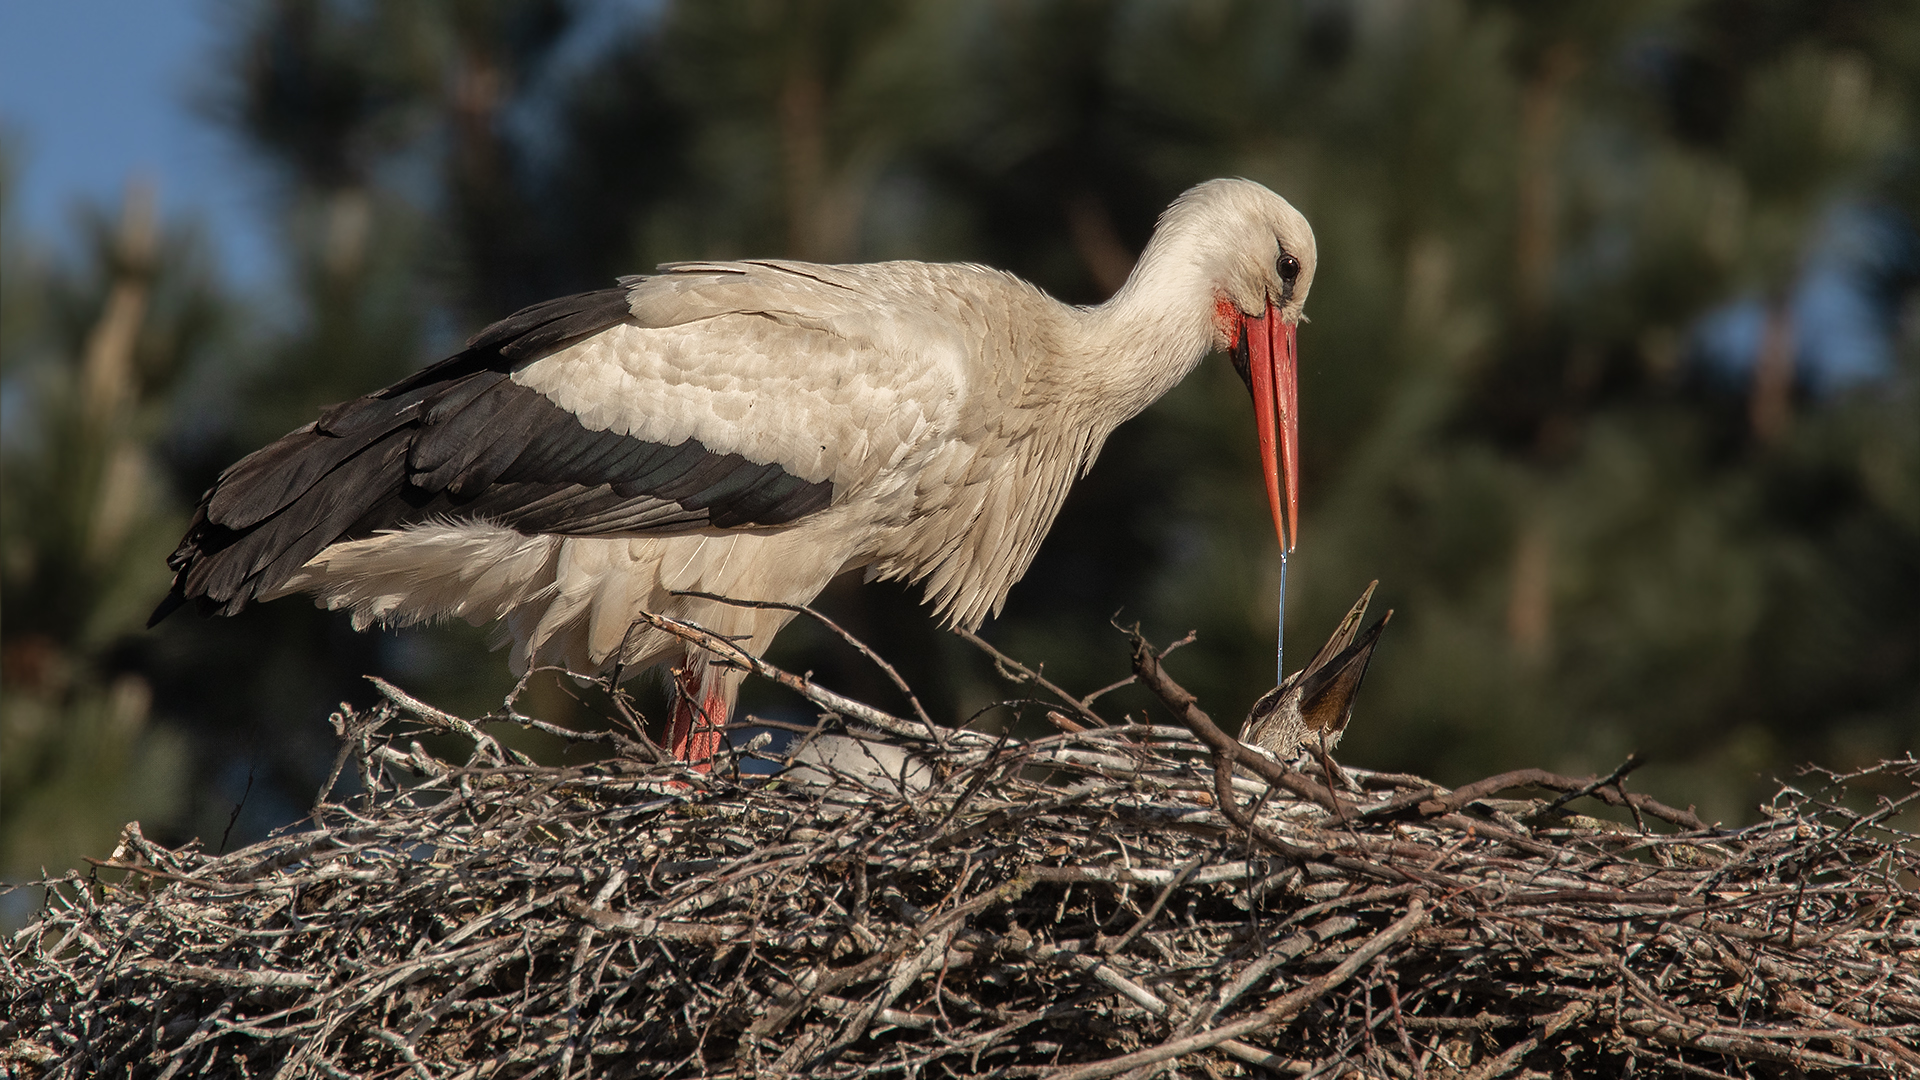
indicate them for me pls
(1271, 367)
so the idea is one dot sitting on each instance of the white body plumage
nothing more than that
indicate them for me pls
(920, 421)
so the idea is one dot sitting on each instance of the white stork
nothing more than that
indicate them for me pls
(749, 430)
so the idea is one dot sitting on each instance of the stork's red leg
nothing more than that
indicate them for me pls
(694, 734)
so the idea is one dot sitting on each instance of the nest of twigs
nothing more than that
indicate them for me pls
(1118, 900)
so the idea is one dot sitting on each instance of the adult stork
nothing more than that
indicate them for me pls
(748, 430)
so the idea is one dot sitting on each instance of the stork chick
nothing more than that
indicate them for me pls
(1311, 707)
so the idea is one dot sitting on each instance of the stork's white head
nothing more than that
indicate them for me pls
(1253, 246)
(1258, 256)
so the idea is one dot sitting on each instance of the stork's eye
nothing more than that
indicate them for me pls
(1289, 268)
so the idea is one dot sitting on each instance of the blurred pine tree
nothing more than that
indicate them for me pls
(94, 355)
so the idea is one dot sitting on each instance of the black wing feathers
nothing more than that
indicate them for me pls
(461, 440)
(534, 331)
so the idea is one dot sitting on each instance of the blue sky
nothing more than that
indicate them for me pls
(93, 92)
(1845, 314)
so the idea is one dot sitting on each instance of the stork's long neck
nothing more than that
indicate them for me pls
(1155, 330)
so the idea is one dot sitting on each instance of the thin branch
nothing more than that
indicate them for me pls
(920, 713)
(1146, 665)
(857, 711)
(1460, 798)
(1018, 672)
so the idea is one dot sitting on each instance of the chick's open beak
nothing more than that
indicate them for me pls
(1271, 367)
